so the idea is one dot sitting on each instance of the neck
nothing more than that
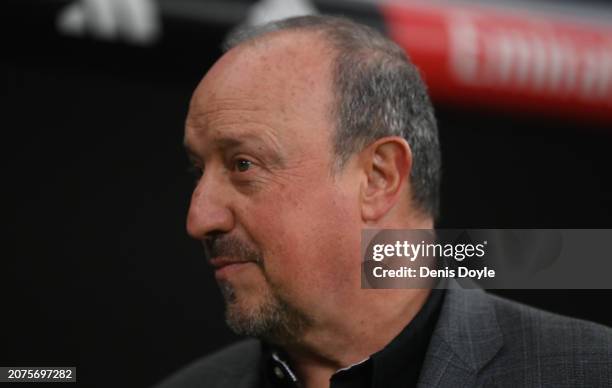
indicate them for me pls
(355, 335)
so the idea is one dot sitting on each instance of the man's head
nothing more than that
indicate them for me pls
(306, 131)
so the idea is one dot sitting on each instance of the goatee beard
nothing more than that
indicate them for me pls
(273, 319)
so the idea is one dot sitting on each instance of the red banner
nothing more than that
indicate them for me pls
(511, 59)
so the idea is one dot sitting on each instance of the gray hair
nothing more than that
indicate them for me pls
(379, 93)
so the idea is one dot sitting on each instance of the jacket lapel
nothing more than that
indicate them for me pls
(466, 337)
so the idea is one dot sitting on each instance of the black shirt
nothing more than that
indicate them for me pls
(397, 365)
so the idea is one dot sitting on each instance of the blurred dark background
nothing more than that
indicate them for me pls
(97, 270)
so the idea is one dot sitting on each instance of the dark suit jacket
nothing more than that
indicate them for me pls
(480, 340)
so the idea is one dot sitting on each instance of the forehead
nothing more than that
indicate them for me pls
(280, 84)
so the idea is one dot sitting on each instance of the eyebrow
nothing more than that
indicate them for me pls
(230, 142)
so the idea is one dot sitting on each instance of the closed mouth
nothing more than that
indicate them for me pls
(220, 262)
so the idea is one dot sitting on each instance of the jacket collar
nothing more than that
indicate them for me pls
(466, 337)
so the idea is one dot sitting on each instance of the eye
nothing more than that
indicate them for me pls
(242, 165)
(195, 171)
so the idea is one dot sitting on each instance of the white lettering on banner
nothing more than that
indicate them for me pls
(530, 57)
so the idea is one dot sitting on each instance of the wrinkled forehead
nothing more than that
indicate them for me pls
(289, 72)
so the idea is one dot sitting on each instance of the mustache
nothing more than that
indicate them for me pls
(231, 246)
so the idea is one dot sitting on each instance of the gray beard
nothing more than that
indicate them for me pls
(273, 320)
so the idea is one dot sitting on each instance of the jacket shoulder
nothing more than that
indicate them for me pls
(550, 347)
(235, 365)
(515, 318)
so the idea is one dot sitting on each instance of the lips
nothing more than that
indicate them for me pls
(220, 262)
(228, 268)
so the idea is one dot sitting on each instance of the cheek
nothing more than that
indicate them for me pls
(309, 239)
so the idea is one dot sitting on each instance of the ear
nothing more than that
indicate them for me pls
(386, 163)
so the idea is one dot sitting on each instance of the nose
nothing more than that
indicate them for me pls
(209, 211)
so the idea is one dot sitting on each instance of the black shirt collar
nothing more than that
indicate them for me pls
(397, 365)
